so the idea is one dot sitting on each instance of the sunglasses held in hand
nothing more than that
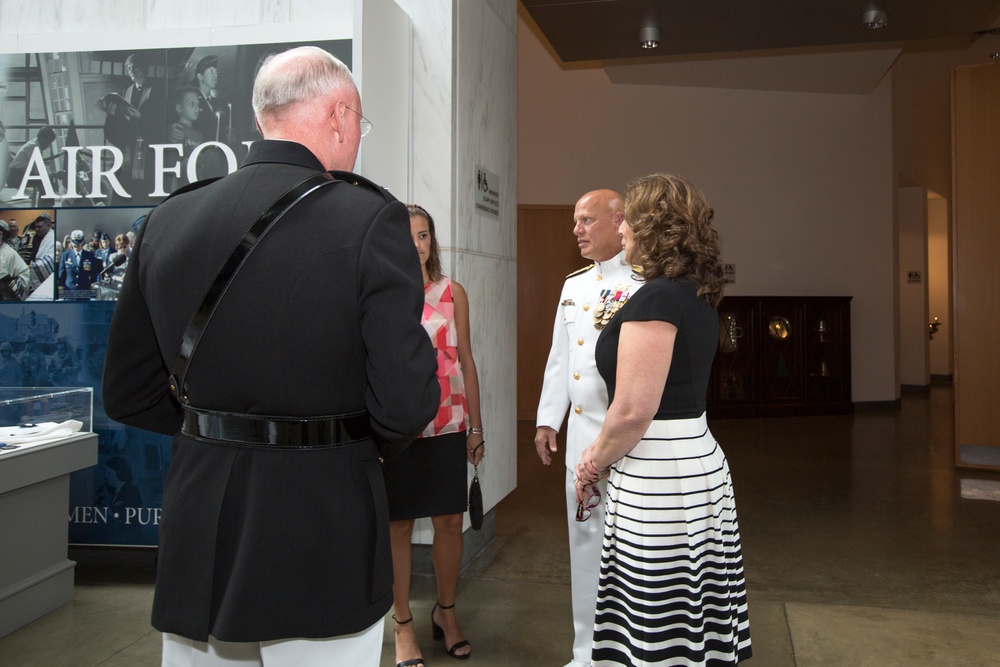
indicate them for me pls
(586, 506)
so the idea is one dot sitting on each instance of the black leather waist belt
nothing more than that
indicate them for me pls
(283, 432)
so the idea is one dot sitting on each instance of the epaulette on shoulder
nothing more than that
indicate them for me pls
(192, 186)
(579, 271)
(361, 181)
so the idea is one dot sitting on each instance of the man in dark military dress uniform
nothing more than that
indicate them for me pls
(274, 541)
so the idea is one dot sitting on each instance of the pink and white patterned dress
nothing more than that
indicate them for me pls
(439, 322)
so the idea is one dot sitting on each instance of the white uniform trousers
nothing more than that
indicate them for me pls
(361, 649)
(585, 541)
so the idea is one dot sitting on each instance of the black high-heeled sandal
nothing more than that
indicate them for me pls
(438, 634)
(412, 662)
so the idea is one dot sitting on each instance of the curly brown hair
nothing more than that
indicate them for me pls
(433, 264)
(671, 223)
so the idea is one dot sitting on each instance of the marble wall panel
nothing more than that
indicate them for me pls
(275, 11)
(486, 126)
(23, 16)
(198, 13)
(431, 136)
(127, 24)
(124, 39)
(480, 254)
(491, 283)
(485, 249)
(506, 11)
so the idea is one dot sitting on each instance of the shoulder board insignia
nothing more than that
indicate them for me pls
(192, 186)
(579, 271)
(361, 181)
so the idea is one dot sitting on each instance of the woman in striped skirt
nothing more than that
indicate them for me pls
(672, 590)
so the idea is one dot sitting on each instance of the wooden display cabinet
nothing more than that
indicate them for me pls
(782, 356)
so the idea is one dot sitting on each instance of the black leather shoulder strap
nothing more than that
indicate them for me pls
(192, 335)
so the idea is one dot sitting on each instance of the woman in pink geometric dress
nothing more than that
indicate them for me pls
(429, 477)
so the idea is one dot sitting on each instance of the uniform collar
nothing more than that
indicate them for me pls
(284, 152)
(611, 265)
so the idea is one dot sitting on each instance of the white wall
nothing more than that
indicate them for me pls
(801, 183)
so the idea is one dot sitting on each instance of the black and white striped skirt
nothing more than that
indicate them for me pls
(672, 590)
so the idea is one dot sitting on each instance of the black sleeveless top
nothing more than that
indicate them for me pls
(671, 300)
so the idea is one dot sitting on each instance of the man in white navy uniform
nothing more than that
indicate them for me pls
(590, 297)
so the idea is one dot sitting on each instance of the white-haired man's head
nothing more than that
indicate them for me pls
(306, 95)
(298, 75)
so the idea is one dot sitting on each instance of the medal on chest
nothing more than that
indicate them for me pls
(609, 302)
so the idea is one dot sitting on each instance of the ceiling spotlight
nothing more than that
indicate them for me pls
(873, 19)
(649, 37)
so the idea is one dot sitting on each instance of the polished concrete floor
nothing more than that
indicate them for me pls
(859, 550)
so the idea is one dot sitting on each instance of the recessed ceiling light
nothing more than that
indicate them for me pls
(873, 19)
(649, 37)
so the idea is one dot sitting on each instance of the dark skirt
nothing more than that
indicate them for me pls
(429, 478)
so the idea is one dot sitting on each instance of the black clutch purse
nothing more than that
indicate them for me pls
(475, 501)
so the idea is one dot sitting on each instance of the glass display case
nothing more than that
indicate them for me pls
(20, 405)
(44, 438)
(31, 416)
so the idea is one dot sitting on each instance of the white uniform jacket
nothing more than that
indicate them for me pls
(571, 377)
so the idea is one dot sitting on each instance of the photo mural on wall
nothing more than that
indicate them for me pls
(90, 142)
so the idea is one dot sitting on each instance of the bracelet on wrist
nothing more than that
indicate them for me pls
(475, 431)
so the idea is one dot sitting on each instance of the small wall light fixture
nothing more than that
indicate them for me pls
(649, 37)
(874, 18)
